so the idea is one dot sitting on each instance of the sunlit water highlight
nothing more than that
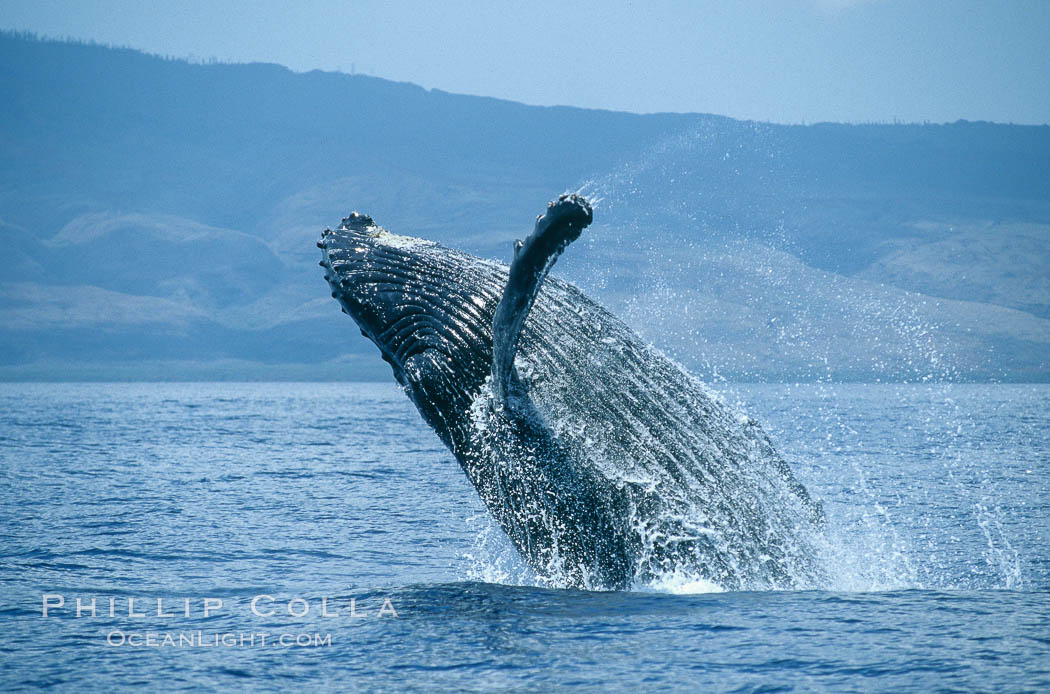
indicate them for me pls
(937, 497)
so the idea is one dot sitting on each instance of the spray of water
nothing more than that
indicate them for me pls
(710, 277)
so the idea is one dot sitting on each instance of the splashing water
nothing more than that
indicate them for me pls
(709, 282)
(901, 514)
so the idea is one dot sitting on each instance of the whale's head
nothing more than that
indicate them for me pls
(427, 308)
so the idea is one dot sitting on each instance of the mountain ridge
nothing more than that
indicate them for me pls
(205, 185)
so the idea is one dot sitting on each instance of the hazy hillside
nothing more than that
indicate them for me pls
(157, 220)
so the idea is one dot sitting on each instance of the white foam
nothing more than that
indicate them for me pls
(397, 241)
(680, 583)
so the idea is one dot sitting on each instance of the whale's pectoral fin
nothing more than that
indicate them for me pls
(562, 224)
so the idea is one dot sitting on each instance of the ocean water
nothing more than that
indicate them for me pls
(305, 497)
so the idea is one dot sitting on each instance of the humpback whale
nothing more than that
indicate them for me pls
(605, 462)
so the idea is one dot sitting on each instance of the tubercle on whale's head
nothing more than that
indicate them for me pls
(427, 308)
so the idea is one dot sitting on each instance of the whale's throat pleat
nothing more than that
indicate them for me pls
(412, 297)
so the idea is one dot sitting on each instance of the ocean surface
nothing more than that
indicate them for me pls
(372, 566)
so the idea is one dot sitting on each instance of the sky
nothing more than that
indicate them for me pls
(785, 61)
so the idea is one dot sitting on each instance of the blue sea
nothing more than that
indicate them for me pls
(279, 536)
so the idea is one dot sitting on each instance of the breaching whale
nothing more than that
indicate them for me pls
(606, 463)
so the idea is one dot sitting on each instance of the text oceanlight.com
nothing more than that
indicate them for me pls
(56, 605)
(202, 639)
